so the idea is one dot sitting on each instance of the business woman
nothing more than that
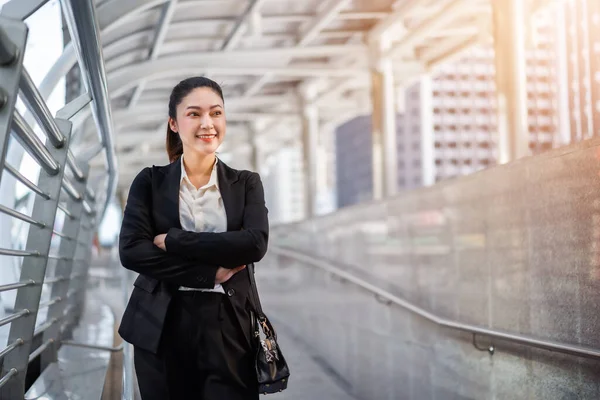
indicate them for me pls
(189, 229)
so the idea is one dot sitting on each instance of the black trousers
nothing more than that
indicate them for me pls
(203, 353)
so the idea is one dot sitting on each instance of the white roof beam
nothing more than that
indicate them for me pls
(159, 38)
(122, 80)
(240, 26)
(162, 28)
(352, 15)
(326, 14)
(255, 23)
(324, 17)
(443, 47)
(257, 85)
(393, 21)
(450, 12)
(454, 52)
(268, 56)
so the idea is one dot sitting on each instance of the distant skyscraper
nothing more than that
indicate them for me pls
(462, 118)
(582, 32)
(283, 181)
(354, 157)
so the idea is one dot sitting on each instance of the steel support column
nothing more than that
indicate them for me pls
(255, 151)
(511, 80)
(64, 266)
(310, 133)
(385, 152)
(428, 171)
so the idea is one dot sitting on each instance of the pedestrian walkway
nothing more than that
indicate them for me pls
(309, 379)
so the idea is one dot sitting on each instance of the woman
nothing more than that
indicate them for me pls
(189, 229)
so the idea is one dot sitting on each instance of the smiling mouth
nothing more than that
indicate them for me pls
(206, 137)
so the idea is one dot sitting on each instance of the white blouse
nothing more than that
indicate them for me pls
(202, 210)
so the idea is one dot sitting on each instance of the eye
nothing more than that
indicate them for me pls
(217, 113)
(193, 114)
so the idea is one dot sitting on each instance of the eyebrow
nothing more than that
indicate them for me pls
(200, 108)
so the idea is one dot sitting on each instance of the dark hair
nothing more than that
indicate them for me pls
(182, 89)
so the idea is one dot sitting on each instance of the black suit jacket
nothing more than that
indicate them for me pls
(191, 258)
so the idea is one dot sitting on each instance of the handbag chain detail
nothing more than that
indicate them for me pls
(272, 370)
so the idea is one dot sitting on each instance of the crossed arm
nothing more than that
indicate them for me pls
(204, 252)
(228, 249)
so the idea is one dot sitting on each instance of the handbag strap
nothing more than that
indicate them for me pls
(253, 289)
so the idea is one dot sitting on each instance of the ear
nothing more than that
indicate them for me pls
(173, 125)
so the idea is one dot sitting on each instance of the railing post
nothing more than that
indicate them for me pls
(64, 266)
(34, 268)
(13, 37)
(79, 273)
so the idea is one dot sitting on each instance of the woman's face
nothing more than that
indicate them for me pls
(200, 121)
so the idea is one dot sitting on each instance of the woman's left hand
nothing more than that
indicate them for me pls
(159, 241)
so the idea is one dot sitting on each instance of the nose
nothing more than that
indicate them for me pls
(206, 122)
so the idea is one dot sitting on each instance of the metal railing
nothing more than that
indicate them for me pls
(62, 185)
(381, 294)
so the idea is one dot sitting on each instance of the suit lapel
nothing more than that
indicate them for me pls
(170, 193)
(227, 177)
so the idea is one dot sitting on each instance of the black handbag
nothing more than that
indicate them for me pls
(272, 370)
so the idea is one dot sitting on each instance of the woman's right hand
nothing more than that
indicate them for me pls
(224, 274)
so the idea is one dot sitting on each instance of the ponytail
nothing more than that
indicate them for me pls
(174, 145)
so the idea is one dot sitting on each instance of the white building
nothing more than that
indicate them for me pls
(283, 180)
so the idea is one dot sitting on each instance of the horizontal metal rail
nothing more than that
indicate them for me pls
(50, 302)
(13, 286)
(21, 216)
(19, 253)
(87, 208)
(34, 145)
(55, 279)
(93, 346)
(70, 189)
(40, 349)
(12, 317)
(571, 349)
(13, 171)
(10, 348)
(36, 103)
(43, 327)
(63, 208)
(59, 258)
(62, 235)
(12, 372)
(90, 193)
(72, 163)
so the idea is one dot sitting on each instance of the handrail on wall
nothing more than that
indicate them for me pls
(571, 349)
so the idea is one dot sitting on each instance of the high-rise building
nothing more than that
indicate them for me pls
(455, 110)
(283, 182)
(580, 22)
(354, 166)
